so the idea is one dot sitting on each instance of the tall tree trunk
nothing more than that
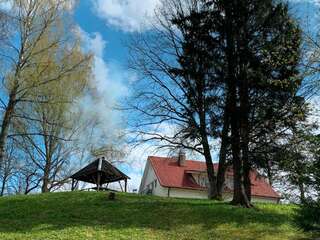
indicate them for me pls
(244, 128)
(239, 195)
(6, 121)
(45, 183)
(47, 145)
(244, 131)
(212, 190)
(223, 152)
(269, 173)
(3, 185)
(46, 176)
(302, 192)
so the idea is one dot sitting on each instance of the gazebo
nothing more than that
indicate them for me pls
(99, 172)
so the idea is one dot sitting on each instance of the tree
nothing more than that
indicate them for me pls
(52, 121)
(262, 51)
(38, 27)
(296, 161)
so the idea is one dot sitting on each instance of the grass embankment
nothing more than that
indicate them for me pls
(89, 215)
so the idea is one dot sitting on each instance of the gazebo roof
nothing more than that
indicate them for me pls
(108, 173)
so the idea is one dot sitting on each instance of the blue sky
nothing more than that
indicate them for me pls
(87, 18)
(105, 26)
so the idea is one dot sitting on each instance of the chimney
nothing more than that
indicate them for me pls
(182, 158)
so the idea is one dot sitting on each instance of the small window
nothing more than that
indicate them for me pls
(155, 183)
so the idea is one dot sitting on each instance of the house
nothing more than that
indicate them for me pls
(181, 178)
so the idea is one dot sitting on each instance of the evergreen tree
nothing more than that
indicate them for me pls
(262, 49)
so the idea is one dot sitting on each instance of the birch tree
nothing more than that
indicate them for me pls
(40, 28)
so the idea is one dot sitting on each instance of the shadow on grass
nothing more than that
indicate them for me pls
(308, 217)
(63, 210)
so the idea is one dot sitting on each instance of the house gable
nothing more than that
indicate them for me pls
(150, 183)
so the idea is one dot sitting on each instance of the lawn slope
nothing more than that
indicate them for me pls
(89, 215)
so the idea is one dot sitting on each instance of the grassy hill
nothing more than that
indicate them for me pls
(89, 215)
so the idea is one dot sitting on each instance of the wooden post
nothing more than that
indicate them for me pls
(72, 185)
(120, 186)
(98, 181)
(99, 174)
(125, 185)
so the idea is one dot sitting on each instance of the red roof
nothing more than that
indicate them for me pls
(170, 174)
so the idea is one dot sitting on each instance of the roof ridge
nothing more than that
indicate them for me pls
(190, 160)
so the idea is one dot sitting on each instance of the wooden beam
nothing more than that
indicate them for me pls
(125, 185)
(72, 185)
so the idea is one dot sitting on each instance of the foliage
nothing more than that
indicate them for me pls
(293, 162)
(41, 50)
(90, 215)
(47, 72)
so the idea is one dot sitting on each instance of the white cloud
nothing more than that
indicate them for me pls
(128, 15)
(135, 15)
(108, 86)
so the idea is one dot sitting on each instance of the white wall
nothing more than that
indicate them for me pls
(149, 177)
(187, 193)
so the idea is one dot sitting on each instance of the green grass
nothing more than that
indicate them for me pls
(89, 215)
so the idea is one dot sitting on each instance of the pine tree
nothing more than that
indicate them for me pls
(262, 50)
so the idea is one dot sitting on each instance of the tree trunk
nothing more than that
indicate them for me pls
(245, 151)
(6, 122)
(3, 186)
(46, 180)
(223, 153)
(45, 185)
(212, 191)
(269, 173)
(47, 144)
(244, 131)
(239, 195)
(302, 192)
